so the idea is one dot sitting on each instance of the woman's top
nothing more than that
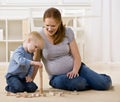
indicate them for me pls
(58, 59)
(20, 63)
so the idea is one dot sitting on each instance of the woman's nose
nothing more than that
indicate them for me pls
(49, 27)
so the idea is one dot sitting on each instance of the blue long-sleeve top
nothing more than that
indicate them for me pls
(20, 63)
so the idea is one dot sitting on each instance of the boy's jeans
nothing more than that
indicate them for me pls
(87, 79)
(16, 84)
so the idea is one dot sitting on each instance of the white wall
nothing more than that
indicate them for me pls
(102, 29)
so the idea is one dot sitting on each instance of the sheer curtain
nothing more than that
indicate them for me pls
(115, 37)
(103, 34)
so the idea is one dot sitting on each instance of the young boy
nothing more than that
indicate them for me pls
(20, 68)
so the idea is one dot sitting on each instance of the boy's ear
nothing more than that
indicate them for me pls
(28, 40)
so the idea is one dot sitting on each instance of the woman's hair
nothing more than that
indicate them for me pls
(55, 14)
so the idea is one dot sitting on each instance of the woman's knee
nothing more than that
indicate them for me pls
(57, 82)
(63, 82)
(104, 84)
(78, 84)
(107, 82)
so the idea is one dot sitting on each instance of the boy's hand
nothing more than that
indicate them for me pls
(39, 64)
(36, 63)
(28, 78)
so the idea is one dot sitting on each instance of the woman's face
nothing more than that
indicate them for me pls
(51, 26)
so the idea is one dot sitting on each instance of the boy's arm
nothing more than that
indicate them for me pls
(36, 57)
(18, 56)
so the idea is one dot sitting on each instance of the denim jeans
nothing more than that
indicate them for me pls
(16, 84)
(87, 79)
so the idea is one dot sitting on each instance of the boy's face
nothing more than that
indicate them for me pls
(32, 46)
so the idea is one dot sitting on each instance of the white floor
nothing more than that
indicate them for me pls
(84, 96)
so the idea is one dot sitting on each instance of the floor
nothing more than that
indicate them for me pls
(112, 95)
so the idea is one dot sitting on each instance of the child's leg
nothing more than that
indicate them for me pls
(63, 82)
(95, 80)
(14, 85)
(30, 86)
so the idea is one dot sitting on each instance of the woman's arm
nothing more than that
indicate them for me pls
(36, 57)
(77, 59)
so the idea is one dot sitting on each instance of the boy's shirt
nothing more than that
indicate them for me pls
(20, 63)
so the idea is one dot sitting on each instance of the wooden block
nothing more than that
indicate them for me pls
(32, 95)
(10, 94)
(60, 94)
(18, 95)
(74, 93)
(29, 96)
(51, 93)
(44, 95)
(37, 95)
(25, 94)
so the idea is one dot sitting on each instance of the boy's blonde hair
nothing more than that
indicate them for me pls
(35, 36)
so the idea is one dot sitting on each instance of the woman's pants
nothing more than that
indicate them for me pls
(16, 84)
(87, 79)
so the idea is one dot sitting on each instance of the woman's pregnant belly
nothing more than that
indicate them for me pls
(60, 65)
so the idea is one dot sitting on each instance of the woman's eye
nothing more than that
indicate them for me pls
(36, 47)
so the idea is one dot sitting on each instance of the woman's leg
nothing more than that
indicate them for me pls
(95, 80)
(87, 79)
(14, 85)
(30, 86)
(63, 82)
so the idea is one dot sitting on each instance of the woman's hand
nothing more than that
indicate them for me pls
(72, 74)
